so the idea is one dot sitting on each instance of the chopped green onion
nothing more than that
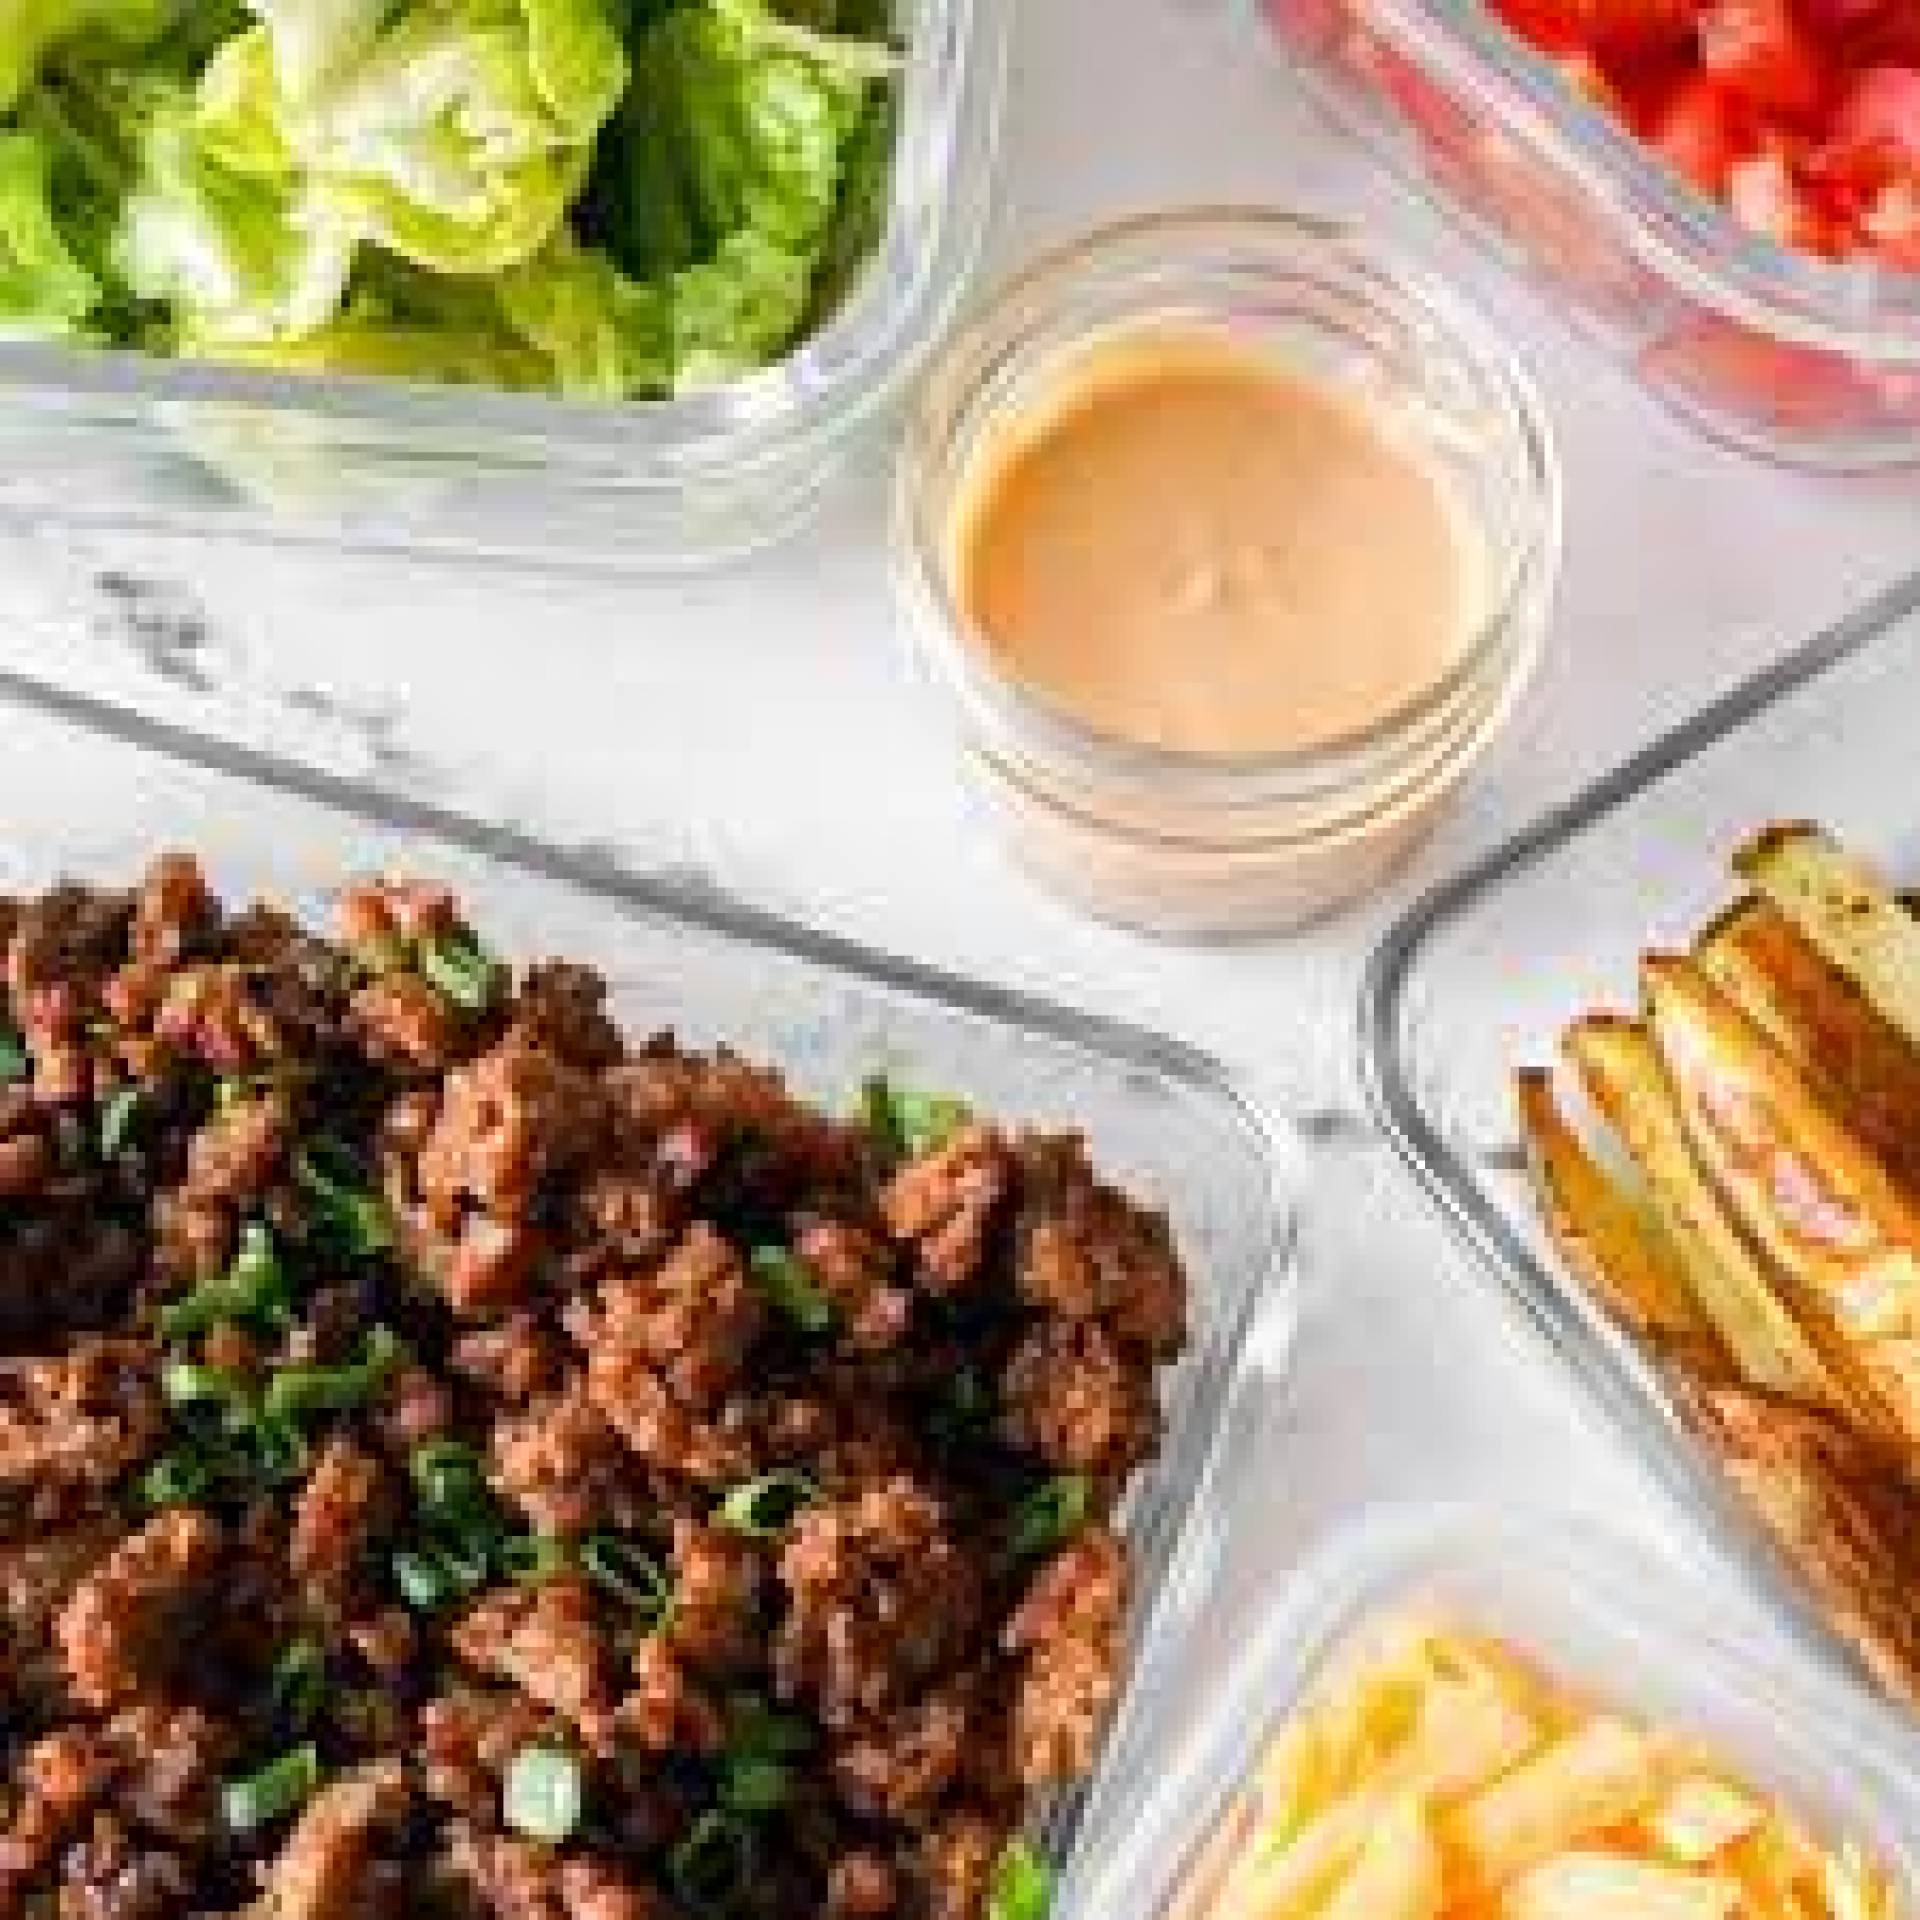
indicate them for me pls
(380, 953)
(713, 1863)
(545, 1794)
(341, 1202)
(1049, 1516)
(119, 1114)
(177, 1479)
(631, 1575)
(1022, 1886)
(964, 1410)
(185, 1383)
(460, 969)
(447, 1476)
(278, 1453)
(765, 1508)
(254, 1289)
(432, 1577)
(297, 1393)
(531, 1558)
(276, 1790)
(297, 1686)
(756, 1728)
(788, 1283)
(753, 1784)
(905, 1124)
(16, 1063)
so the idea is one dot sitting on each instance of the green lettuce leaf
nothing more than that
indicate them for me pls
(236, 256)
(737, 311)
(604, 336)
(32, 29)
(310, 41)
(46, 293)
(459, 139)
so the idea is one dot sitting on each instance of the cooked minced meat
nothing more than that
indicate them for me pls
(455, 1464)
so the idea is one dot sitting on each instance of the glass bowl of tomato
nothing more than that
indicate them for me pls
(1725, 193)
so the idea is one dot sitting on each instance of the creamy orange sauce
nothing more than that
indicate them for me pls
(1188, 545)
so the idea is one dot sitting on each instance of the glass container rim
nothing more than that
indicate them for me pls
(1150, 244)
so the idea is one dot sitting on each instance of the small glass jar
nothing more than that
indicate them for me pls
(1189, 843)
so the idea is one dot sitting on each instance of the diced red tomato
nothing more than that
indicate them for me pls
(1878, 123)
(1755, 49)
(1608, 29)
(1892, 225)
(1701, 131)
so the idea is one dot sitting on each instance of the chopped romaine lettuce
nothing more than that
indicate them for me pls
(31, 29)
(45, 292)
(236, 256)
(609, 198)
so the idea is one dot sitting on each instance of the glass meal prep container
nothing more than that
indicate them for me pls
(1481, 976)
(1806, 360)
(1619, 1629)
(128, 440)
(91, 792)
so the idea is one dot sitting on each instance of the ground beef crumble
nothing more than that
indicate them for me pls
(456, 1462)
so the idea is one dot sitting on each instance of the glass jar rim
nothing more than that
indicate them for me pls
(1147, 248)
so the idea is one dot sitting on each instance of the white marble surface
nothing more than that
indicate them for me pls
(759, 727)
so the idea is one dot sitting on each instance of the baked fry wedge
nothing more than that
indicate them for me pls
(1846, 909)
(1621, 1070)
(1833, 1222)
(1822, 1019)
(1608, 1236)
(1839, 1508)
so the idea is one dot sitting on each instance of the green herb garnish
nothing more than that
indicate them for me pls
(297, 1687)
(16, 1063)
(431, 1577)
(298, 1393)
(545, 1794)
(632, 1575)
(713, 1863)
(765, 1508)
(461, 970)
(1022, 1884)
(181, 1477)
(120, 1114)
(276, 1790)
(340, 1203)
(788, 1282)
(254, 1291)
(1049, 1516)
(532, 1558)
(905, 1124)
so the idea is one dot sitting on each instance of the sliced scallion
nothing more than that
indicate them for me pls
(279, 1788)
(340, 1202)
(120, 1115)
(765, 1508)
(545, 1794)
(632, 1575)
(1049, 1516)
(789, 1284)
(1022, 1887)
(298, 1393)
(461, 970)
(16, 1063)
